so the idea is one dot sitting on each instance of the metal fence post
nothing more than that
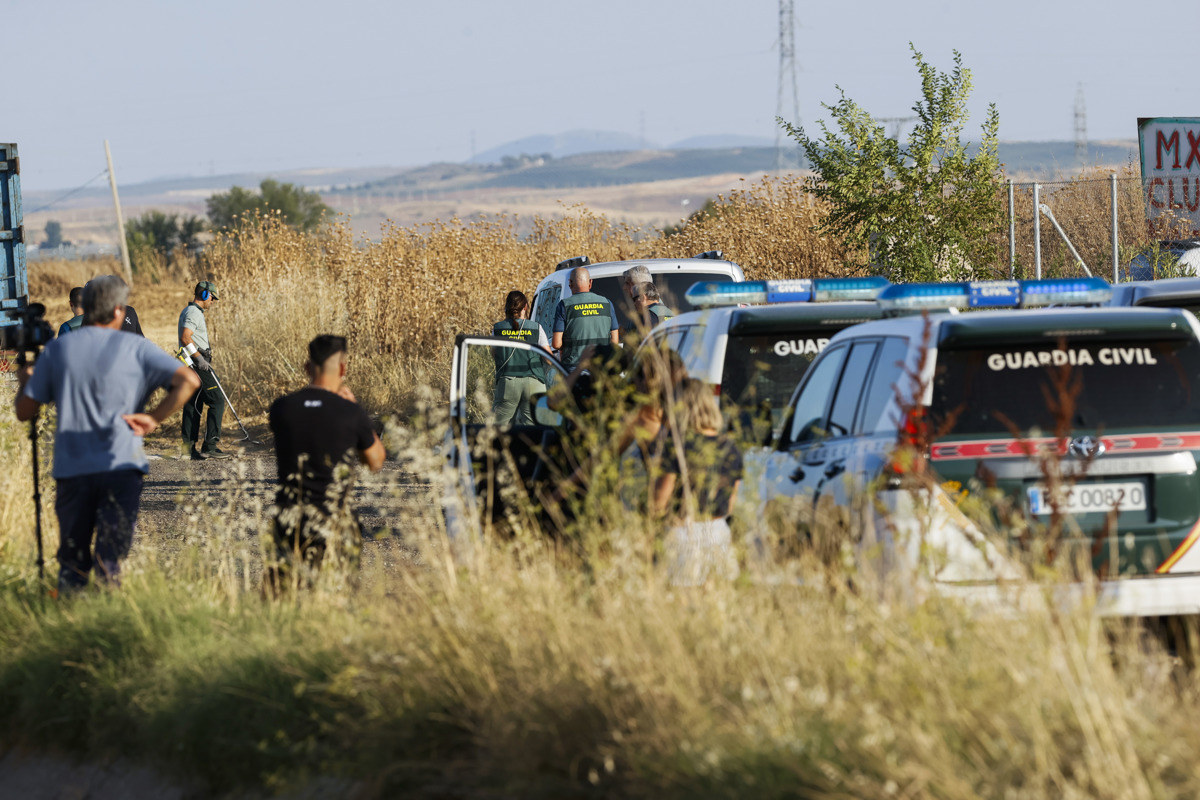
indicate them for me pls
(1012, 233)
(1037, 231)
(1116, 267)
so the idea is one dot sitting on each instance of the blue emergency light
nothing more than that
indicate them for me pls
(706, 294)
(996, 294)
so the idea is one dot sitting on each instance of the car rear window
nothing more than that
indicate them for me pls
(1191, 304)
(767, 368)
(672, 286)
(1133, 384)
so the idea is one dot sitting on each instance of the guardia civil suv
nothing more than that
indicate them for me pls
(752, 341)
(990, 386)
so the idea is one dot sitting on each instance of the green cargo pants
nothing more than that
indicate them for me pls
(513, 399)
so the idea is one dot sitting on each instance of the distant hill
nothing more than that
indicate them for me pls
(562, 144)
(617, 165)
(1051, 158)
(721, 140)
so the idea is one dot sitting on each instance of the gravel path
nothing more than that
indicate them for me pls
(182, 499)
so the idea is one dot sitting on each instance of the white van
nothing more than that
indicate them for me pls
(672, 277)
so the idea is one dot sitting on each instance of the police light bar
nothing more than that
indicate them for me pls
(706, 294)
(996, 294)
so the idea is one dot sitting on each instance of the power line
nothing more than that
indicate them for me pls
(76, 190)
(1081, 140)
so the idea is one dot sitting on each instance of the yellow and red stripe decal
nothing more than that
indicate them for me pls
(1181, 551)
(1023, 448)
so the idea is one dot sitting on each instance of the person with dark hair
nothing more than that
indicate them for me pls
(520, 374)
(193, 338)
(75, 298)
(320, 431)
(99, 378)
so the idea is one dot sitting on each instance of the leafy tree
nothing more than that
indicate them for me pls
(54, 238)
(299, 207)
(924, 209)
(155, 236)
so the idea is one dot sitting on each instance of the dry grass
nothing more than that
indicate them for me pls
(522, 674)
(402, 300)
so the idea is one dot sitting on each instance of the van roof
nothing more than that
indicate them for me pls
(1032, 325)
(607, 269)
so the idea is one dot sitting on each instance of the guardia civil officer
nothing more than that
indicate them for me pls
(636, 274)
(584, 320)
(520, 374)
(193, 338)
(646, 297)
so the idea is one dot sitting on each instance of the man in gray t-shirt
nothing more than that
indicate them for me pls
(99, 377)
(193, 338)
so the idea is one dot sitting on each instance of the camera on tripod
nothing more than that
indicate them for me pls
(25, 330)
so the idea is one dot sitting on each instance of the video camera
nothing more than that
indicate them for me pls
(25, 330)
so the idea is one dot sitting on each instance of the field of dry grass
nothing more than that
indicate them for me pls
(527, 671)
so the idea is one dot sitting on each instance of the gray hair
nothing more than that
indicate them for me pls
(638, 274)
(645, 289)
(101, 297)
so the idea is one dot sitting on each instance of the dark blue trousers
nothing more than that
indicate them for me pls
(104, 504)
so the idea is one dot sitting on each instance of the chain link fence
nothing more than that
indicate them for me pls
(1102, 216)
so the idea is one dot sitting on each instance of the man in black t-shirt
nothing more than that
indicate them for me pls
(320, 432)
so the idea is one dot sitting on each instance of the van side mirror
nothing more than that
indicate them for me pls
(543, 414)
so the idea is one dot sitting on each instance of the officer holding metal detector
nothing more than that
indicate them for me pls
(193, 339)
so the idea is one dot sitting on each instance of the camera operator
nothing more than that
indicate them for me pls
(98, 377)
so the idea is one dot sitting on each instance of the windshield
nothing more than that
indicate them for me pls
(767, 368)
(1138, 384)
(672, 286)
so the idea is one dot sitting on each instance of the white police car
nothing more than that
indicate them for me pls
(753, 340)
(983, 386)
(1162, 293)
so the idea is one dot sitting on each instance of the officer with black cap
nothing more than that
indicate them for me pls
(193, 338)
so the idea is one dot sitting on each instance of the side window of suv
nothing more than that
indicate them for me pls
(547, 301)
(889, 373)
(808, 412)
(850, 389)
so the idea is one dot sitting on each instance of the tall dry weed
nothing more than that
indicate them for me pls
(402, 299)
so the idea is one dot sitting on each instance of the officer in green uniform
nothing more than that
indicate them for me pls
(520, 374)
(583, 320)
(646, 297)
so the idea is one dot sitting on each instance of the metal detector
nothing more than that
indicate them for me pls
(228, 402)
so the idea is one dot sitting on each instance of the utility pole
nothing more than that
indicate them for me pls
(1080, 128)
(897, 124)
(787, 72)
(112, 179)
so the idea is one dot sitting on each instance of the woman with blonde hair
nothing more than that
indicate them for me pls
(701, 473)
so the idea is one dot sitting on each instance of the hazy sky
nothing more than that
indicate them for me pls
(239, 85)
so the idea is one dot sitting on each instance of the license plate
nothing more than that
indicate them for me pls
(1088, 498)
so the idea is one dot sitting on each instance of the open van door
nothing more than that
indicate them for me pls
(496, 463)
